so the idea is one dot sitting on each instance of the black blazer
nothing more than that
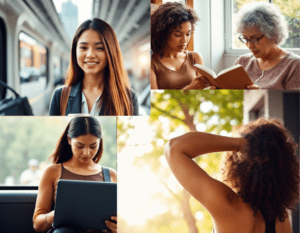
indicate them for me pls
(74, 101)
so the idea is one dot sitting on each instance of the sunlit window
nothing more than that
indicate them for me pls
(290, 10)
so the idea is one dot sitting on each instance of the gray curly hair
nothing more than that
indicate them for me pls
(267, 17)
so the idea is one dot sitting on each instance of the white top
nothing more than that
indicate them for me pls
(96, 107)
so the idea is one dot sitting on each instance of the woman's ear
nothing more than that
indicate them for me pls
(69, 140)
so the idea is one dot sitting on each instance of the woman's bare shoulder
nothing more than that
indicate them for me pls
(197, 58)
(52, 170)
(113, 174)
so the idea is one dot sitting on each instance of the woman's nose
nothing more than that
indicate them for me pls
(90, 53)
(249, 44)
(184, 39)
(86, 151)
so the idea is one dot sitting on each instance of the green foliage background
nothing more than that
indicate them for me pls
(171, 110)
(24, 138)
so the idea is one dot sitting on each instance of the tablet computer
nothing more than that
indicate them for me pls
(84, 204)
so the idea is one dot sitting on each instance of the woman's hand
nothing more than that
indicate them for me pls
(254, 86)
(112, 225)
(200, 82)
(49, 218)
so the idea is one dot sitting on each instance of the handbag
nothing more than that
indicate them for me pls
(14, 106)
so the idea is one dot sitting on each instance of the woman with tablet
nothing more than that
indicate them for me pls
(97, 82)
(172, 25)
(76, 157)
(260, 176)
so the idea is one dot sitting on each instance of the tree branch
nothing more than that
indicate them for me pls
(167, 113)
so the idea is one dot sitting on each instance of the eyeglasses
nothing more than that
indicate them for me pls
(252, 40)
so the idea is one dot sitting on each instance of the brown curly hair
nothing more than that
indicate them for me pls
(165, 19)
(266, 172)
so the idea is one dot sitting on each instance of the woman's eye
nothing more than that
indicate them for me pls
(177, 35)
(80, 147)
(82, 47)
(93, 147)
(100, 48)
(188, 34)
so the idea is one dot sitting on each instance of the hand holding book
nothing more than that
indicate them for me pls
(232, 78)
(199, 82)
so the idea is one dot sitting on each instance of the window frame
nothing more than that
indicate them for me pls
(228, 33)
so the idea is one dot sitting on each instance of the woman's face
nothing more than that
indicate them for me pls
(90, 53)
(84, 147)
(264, 46)
(180, 37)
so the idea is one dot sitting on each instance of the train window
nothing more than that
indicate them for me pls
(2, 57)
(290, 12)
(27, 142)
(33, 66)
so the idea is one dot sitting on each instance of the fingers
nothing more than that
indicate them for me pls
(212, 87)
(254, 86)
(111, 225)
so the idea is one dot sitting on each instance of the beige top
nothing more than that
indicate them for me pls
(170, 79)
(284, 75)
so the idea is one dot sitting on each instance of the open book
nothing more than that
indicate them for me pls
(234, 77)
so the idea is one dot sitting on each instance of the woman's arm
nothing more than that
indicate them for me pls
(43, 216)
(212, 194)
(153, 79)
(199, 82)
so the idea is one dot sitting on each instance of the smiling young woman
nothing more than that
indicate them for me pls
(96, 76)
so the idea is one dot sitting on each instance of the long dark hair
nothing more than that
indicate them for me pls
(78, 126)
(116, 92)
(266, 174)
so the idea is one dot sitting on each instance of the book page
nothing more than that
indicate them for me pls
(206, 69)
(208, 74)
(228, 69)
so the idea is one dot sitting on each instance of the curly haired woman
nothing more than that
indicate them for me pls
(172, 25)
(260, 175)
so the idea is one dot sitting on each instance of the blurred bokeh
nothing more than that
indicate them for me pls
(150, 198)
(27, 142)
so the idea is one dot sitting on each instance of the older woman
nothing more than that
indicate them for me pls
(269, 66)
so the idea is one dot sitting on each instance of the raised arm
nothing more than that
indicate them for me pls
(43, 213)
(212, 194)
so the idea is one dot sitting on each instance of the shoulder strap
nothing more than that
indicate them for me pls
(7, 87)
(106, 174)
(64, 99)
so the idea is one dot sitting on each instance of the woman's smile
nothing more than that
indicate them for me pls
(90, 53)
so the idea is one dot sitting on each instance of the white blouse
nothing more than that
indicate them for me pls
(96, 107)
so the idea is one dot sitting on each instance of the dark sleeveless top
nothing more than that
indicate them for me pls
(67, 175)
(170, 79)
